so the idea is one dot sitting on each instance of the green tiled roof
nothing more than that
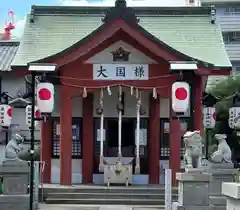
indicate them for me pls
(225, 2)
(190, 33)
(51, 34)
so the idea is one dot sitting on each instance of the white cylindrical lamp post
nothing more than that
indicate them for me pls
(120, 109)
(137, 167)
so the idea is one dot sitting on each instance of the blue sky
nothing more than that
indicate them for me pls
(22, 7)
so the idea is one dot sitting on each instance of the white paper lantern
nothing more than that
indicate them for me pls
(45, 97)
(180, 96)
(234, 112)
(209, 117)
(5, 115)
(28, 116)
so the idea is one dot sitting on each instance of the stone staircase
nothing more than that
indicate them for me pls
(102, 195)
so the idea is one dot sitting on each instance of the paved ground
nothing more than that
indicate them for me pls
(94, 207)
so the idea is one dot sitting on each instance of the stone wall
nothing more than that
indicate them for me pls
(15, 195)
(232, 192)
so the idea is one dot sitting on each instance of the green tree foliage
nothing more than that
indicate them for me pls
(224, 90)
(226, 87)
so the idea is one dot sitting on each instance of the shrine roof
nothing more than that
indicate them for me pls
(220, 2)
(8, 50)
(50, 30)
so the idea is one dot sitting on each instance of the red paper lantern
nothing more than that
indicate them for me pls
(5, 115)
(44, 94)
(181, 93)
(45, 97)
(9, 112)
(180, 96)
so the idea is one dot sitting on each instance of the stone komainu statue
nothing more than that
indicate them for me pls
(193, 149)
(14, 151)
(223, 153)
(13, 147)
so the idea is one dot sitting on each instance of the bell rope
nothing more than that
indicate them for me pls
(120, 124)
(101, 164)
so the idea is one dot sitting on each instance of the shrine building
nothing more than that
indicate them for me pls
(111, 65)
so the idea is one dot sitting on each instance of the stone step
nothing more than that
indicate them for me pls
(99, 207)
(217, 207)
(102, 189)
(217, 201)
(118, 195)
(103, 201)
(95, 195)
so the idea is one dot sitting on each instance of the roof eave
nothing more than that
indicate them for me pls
(71, 10)
(219, 3)
(9, 42)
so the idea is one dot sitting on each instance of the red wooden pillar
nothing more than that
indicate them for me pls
(197, 104)
(175, 145)
(154, 141)
(88, 140)
(46, 149)
(65, 136)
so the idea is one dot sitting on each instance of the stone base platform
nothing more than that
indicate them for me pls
(16, 202)
(217, 201)
(193, 188)
(219, 175)
(177, 206)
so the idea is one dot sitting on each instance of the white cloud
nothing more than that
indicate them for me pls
(130, 3)
(19, 23)
(18, 31)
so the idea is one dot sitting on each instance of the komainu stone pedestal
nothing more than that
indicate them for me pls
(220, 173)
(14, 202)
(15, 175)
(193, 189)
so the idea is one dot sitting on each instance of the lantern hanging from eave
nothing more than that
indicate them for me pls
(209, 117)
(5, 115)
(28, 112)
(234, 111)
(180, 96)
(45, 97)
